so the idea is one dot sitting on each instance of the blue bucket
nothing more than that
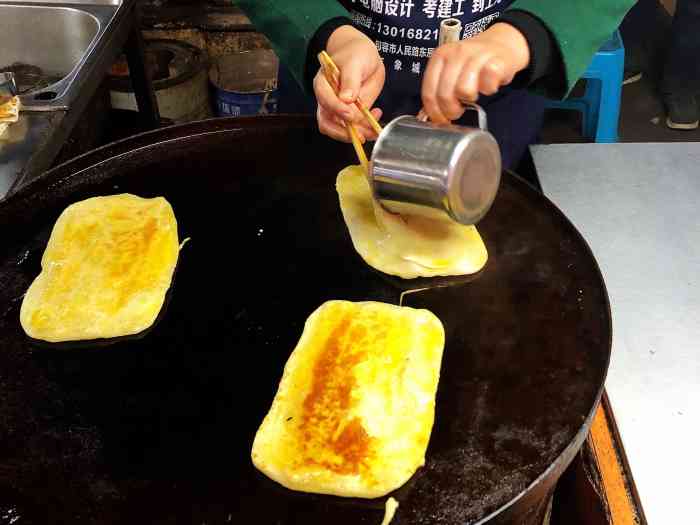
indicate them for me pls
(245, 83)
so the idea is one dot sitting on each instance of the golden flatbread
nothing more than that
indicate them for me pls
(9, 109)
(405, 246)
(356, 404)
(9, 112)
(105, 271)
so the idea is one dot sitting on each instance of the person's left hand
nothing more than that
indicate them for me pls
(458, 72)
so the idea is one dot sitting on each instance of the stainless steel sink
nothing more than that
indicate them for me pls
(53, 40)
(68, 46)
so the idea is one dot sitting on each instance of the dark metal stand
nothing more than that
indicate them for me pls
(140, 77)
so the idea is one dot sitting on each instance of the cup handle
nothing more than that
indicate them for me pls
(483, 125)
(480, 112)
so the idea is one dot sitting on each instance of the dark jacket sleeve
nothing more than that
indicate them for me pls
(579, 28)
(545, 73)
(290, 26)
(316, 45)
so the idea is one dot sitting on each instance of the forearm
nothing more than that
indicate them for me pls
(291, 26)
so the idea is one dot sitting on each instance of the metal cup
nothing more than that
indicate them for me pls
(441, 171)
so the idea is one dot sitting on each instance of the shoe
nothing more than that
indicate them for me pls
(631, 77)
(636, 61)
(682, 112)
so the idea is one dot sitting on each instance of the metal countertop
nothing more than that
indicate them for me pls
(638, 206)
(32, 144)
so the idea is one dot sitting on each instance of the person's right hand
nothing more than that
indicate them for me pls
(361, 75)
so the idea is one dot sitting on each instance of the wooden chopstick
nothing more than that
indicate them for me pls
(357, 144)
(332, 74)
(327, 63)
(352, 131)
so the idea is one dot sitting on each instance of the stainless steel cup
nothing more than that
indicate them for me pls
(435, 170)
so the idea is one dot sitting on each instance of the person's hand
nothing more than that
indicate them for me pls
(460, 71)
(361, 74)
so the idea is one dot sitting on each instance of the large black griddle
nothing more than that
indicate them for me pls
(158, 429)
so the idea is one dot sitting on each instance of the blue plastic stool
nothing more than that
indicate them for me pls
(600, 104)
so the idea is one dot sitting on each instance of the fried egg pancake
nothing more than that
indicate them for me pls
(405, 246)
(9, 109)
(9, 112)
(356, 404)
(105, 271)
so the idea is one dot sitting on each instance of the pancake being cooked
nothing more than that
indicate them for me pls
(106, 269)
(405, 246)
(356, 404)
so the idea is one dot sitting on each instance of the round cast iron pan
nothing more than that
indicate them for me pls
(158, 429)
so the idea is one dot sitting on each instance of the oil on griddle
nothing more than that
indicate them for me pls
(159, 430)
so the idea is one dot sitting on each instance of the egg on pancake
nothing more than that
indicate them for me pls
(105, 270)
(405, 246)
(356, 403)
